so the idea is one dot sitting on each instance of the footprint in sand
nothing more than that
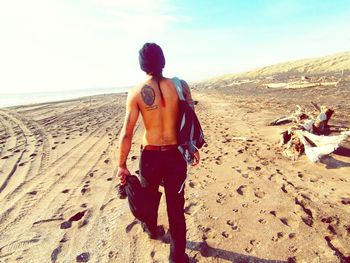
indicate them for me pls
(292, 235)
(293, 249)
(187, 209)
(55, 253)
(254, 242)
(240, 189)
(248, 249)
(307, 217)
(273, 213)
(278, 236)
(245, 176)
(84, 190)
(64, 239)
(240, 151)
(66, 224)
(226, 235)
(84, 257)
(112, 254)
(191, 184)
(221, 198)
(284, 220)
(262, 221)
(76, 217)
(130, 226)
(85, 187)
(232, 224)
(345, 201)
(207, 232)
(283, 188)
(258, 193)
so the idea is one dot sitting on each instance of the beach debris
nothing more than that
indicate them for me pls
(242, 139)
(309, 133)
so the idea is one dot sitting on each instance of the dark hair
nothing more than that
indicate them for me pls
(151, 58)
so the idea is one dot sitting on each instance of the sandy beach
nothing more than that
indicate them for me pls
(244, 203)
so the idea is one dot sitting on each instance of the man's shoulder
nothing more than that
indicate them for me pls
(137, 88)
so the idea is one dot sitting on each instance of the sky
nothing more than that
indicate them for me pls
(60, 45)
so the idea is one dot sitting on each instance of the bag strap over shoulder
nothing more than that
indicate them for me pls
(179, 89)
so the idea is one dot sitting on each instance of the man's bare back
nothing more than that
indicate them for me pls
(159, 120)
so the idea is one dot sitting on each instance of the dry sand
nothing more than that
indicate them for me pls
(244, 203)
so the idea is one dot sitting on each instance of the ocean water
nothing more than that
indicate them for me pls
(8, 99)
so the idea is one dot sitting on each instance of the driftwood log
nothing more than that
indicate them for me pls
(307, 135)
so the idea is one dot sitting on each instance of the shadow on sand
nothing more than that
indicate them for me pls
(332, 163)
(342, 151)
(207, 251)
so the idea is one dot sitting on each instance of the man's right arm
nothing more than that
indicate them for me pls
(131, 116)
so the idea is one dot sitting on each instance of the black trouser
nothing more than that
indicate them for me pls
(170, 167)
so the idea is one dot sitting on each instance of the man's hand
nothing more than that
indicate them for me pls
(196, 158)
(122, 173)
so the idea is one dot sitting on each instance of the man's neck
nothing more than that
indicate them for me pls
(149, 77)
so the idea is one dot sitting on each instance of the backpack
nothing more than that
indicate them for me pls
(190, 135)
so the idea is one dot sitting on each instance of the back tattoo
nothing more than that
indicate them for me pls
(148, 97)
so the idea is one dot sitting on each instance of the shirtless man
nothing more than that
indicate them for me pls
(157, 101)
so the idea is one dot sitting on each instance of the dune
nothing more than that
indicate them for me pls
(337, 64)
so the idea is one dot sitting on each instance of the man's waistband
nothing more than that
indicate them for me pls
(159, 147)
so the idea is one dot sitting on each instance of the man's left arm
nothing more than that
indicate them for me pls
(131, 116)
(188, 97)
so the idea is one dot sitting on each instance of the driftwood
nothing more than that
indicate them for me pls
(294, 147)
(242, 139)
(281, 120)
(307, 135)
(297, 117)
(324, 145)
(321, 122)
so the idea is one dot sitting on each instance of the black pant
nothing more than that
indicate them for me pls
(170, 167)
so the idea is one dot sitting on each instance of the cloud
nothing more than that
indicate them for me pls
(141, 18)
